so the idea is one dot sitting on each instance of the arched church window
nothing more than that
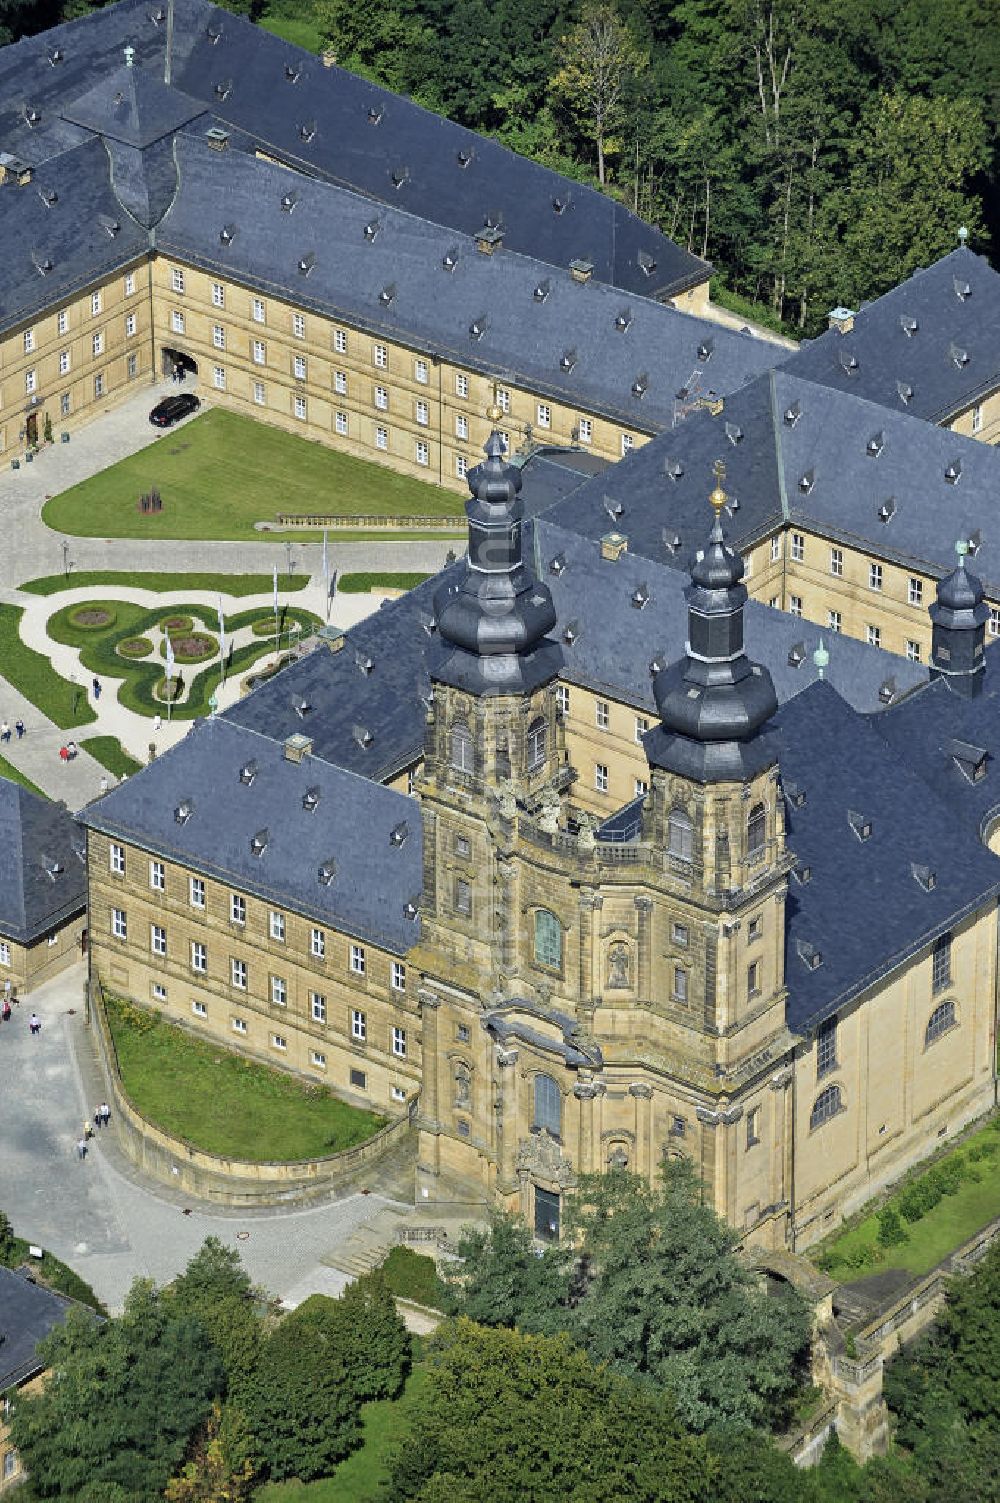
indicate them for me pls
(680, 834)
(548, 938)
(536, 744)
(462, 752)
(940, 1021)
(756, 831)
(548, 1105)
(827, 1104)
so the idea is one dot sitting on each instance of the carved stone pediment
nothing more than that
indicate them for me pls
(541, 1155)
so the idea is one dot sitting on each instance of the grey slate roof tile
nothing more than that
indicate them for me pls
(28, 1312)
(42, 878)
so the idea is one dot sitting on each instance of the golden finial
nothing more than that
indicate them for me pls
(718, 498)
(494, 411)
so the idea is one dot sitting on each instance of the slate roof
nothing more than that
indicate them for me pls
(936, 336)
(387, 271)
(275, 94)
(27, 1313)
(370, 834)
(133, 106)
(863, 909)
(42, 876)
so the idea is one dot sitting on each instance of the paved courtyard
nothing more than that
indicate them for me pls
(97, 1215)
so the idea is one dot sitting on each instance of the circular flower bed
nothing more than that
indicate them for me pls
(91, 617)
(195, 647)
(173, 625)
(165, 688)
(265, 627)
(134, 647)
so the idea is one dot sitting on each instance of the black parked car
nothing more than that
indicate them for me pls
(172, 409)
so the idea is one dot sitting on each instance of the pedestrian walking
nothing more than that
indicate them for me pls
(98, 1122)
(7, 989)
(175, 374)
(97, 687)
(88, 1129)
(81, 1148)
(19, 727)
(104, 784)
(4, 731)
(157, 722)
(105, 1114)
(5, 1011)
(34, 1024)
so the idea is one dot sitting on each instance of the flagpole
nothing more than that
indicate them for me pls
(170, 676)
(276, 644)
(326, 577)
(223, 648)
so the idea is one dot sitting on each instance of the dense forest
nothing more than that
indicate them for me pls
(816, 151)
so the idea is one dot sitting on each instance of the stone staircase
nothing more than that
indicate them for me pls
(369, 1243)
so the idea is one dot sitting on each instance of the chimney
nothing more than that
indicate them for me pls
(13, 170)
(489, 239)
(581, 271)
(613, 545)
(329, 57)
(841, 319)
(217, 138)
(297, 747)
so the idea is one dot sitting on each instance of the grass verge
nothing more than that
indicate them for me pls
(359, 584)
(413, 1275)
(109, 751)
(52, 1271)
(220, 474)
(301, 31)
(8, 770)
(34, 676)
(226, 1104)
(223, 584)
(958, 1215)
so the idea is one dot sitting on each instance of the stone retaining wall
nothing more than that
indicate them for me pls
(361, 523)
(209, 1176)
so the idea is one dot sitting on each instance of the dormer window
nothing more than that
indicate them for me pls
(953, 472)
(810, 957)
(567, 360)
(292, 72)
(464, 155)
(375, 113)
(400, 175)
(310, 800)
(908, 325)
(640, 385)
(288, 202)
(227, 234)
(905, 391)
(959, 357)
(248, 772)
(673, 469)
(259, 842)
(623, 321)
(479, 326)
(795, 794)
(306, 263)
(887, 510)
(223, 89)
(861, 826)
(557, 565)
(640, 597)
(647, 263)
(962, 289)
(399, 834)
(734, 433)
(705, 350)
(570, 632)
(387, 294)
(807, 481)
(970, 760)
(327, 872)
(848, 362)
(307, 130)
(560, 203)
(363, 736)
(875, 445)
(792, 414)
(184, 811)
(372, 229)
(797, 655)
(450, 258)
(923, 876)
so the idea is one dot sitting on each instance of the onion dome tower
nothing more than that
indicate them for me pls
(713, 702)
(492, 621)
(959, 616)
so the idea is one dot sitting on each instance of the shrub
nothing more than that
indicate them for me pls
(134, 647)
(891, 1231)
(413, 1275)
(174, 624)
(91, 617)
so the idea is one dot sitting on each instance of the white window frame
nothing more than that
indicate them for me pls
(381, 438)
(340, 341)
(176, 321)
(157, 939)
(340, 383)
(129, 283)
(176, 279)
(299, 325)
(259, 394)
(119, 930)
(218, 295)
(340, 423)
(116, 859)
(398, 976)
(628, 443)
(423, 414)
(359, 1025)
(381, 398)
(543, 415)
(358, 960)
(279, 991)
(422, 453)
(199, 957)
(399, 1041)
(219, 377)
(301, 410)
(258, 310)
(196, 892)
(299, 367)
(420, 372)
(601, 777)
(317, 1007)
(276, 926)
(131, 324)
(461, 425)
(158, 876)
(96, 304)
(317, 943)
(914, 591)
(380, 357)
(461, 385)
(237, 908)
(218, 336)
(238, 974)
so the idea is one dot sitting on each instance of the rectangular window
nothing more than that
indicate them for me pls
(157, 939)
(602, 714)
(381, 438)
(132, 366)
(129, 283)
(63, 411)
(259, 394)
(238, 974)
(218, 336)
(641, 788)
(461, 425)
(753, 1126)
(586, 429)
(62, 321)
(340, 341)
(299, 367)
(317, 1059)
(340, 423)
(461, 466)
(358, 965)
(461, 386)
(30, 381)
(157, 876)
(397, 1093)
(29, 341)
(239, 1025)
(95, 303)
(381, 398)
(380, 356)
(544, 415)
(199, 957)
(317, 1007)
(300, 408)
(299, 325)
(874, 636)
(218, 295)
(680, 987)
(834, 620)
(795, 605)
(116, 859)
(755, 930)
(423, 453)
(423, 414)
(176, 279)
(915, 591)
(562, 699)
(680, 934)
(601, 777)
(775, 549)
(399, 1042)
(359, 1026)
(279, 991)
(398, 976)
(994, 621)
(837, 562)
(258, 311)
(941, 963)
(874, 576)
(131, 324)
(196, 892)
(826, 1046)
(177, 321)
(977, 418)
(159, 991)
(276, 925)
(278, 1041)
(99, 385)
(237, 908)
(199, 1009)
(119, 928)
(420, 371)
(317, 943)
(641, 727)
(798, 549)
(463, 847)
(259, 352)
(463, 896)
(358, 1080)
(627, 442)
(340, 383)
(913, 653)
(219, 377)
(753, 979)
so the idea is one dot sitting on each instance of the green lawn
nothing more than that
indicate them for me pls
(221, 473)
(301, 30)
(360, 584)
(64, 703)
(109, 751)
(855, 1252)
(362, 1477)
(8, 770)
(222, 584)
(224, 1103)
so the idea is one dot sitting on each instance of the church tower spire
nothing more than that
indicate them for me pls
(959, 616)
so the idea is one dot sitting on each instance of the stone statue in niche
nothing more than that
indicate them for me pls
(619, 966)
(463, 1085)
